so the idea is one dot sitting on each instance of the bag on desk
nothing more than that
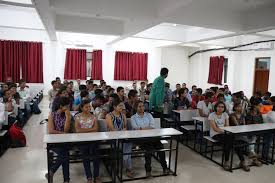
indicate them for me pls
(18, 138)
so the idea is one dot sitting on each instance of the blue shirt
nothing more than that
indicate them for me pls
(146, 121)
(77, 101)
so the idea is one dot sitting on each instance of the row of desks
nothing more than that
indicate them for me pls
(114, 137)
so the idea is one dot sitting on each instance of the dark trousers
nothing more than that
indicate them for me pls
(227, 146)
(267, 140)
(86, 151)
(151, 146)
(62, 159)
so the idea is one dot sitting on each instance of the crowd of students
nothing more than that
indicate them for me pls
(99, 102)
(16, 100)
(219, 105)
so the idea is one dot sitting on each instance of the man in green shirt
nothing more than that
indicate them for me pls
(156, 97)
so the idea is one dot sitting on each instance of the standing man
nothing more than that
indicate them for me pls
(157, 92)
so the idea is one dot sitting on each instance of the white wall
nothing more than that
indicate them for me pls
(241, 67)
(55, 53)
(176, 60)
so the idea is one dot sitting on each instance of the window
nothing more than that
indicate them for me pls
(263, 63)
(89, 58)
(225, 69)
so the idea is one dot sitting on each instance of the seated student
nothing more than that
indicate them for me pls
(121, 94)
(193, 90)
(59, 123)
(52, 92)
(254, 117)
(110, 91)
(175, 93)
(141, 91)
(129, 105)
(257, 96)
(182, 102)
(235, 119)
(90, 88)
(220, 98)
(168, 104)
(77, 93)
(196, 97)
(265, 98)
(270, 117)
(24, 91)
(4, 88)
(227, 96)
(97, 106)
(219, 118)
(144, 121)
(205, 106)
(14, 93)
(184, 85)
(83, 95)
(62, 92)
(116, 121)
(103, 88)
(86, 122)
(108, 106)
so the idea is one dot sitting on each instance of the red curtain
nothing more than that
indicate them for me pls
(216, 70)
(21, 54)
(123, 66)
(97, 65)
(75, 65)
(130, 66)
(32, 66)
(140, 66)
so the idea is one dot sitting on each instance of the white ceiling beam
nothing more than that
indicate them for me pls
(47, 17)
(88, 25)
(16, 4)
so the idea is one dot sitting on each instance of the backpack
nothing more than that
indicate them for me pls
(35, 108)
(18, 138)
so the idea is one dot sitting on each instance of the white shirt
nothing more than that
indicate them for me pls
(205, 109)
(270, 117)
(24, 94)
(220, 122)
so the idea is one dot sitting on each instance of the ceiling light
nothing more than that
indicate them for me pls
(175, 25)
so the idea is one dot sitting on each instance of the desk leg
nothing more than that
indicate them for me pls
(170, 152)
(231, 139)
(121, 162)
(176, 157)
(48, 161)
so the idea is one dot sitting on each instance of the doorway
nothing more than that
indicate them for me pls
(261, 77)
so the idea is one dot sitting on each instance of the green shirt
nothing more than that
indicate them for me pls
(157, 94)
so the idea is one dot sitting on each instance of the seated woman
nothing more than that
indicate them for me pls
(116, 121)
(59, 123)
(86, 122)
(254, 117)
(235, 119)
(219, 119)
(182, 102)
(144, 121)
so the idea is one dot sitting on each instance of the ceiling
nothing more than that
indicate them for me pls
(184, 21)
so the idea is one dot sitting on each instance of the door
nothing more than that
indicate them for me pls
(261, 77)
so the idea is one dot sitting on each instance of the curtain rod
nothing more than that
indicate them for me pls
(232, 48)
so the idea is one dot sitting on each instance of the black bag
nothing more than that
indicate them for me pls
(35, 108)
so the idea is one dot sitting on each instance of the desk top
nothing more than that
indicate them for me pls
(200, 118)
(113, 135)
(249, 128)
(184, 110)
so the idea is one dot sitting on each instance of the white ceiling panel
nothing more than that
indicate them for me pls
(20, 17)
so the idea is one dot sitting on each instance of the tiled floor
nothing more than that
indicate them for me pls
(28, 164)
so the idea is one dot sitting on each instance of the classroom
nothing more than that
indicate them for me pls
(97, 91)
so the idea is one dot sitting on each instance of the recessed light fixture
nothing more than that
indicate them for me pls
(175, 25)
